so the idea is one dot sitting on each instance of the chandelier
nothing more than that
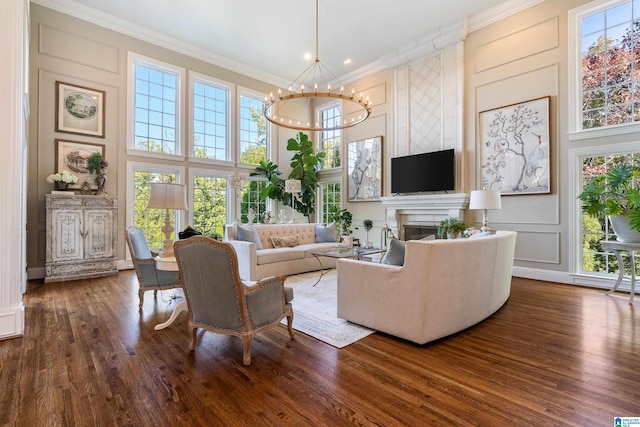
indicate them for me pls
(315, 74)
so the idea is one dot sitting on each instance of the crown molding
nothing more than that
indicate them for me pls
(110, 22)
(499, 12)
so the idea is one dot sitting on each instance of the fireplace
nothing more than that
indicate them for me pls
(417, 232)
(422, 211)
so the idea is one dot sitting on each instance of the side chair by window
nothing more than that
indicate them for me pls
(149, 278)
(220, 302)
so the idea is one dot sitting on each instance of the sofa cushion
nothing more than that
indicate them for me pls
(285, 241)
(326, 233)
(248, 234)
(395, 253)
(315, 247)
(268, 256)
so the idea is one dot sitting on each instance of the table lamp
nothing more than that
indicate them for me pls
(292, 186)
(485, 200)
(167, 196)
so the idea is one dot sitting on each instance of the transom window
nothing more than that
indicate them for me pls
(253, 129)
(609, 64)
(210, 102)
(155, 105)
(330, 141)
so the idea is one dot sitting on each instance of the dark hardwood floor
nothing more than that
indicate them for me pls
(554, 355)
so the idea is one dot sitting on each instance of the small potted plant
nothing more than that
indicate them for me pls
(61, 180)
(617, 195)
(368, 225)
(451, 227)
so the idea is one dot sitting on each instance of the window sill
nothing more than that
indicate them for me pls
(604, 132)
(151, 154)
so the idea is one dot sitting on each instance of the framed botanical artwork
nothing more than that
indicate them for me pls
(74, 156)
(79, 110)
(515, 148)
(364, 161)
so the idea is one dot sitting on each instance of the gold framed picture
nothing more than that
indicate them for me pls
(79, 110)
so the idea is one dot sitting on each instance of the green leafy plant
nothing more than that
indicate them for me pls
(305, 165)
(451, 227)
(614, 193)
(343, 219)
(94, 163)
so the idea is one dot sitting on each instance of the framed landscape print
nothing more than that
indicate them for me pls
(515, 148)
(79, 110)
(364, 160)
(73, 156)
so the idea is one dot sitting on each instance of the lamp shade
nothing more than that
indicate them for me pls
(485, 199)
(168, 196)
(292, 186)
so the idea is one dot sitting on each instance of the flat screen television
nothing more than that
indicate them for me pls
(433, 171)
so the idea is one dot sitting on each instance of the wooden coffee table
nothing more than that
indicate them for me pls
(356, 253)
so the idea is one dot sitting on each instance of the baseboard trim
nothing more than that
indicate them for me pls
(12, 323)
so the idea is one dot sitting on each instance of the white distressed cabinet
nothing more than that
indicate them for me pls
(81, 237)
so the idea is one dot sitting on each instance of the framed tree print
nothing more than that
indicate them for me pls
(364, 160)
(79, 110)
(515, 148)
(74, 157)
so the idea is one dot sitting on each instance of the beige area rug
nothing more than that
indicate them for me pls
(315, 310)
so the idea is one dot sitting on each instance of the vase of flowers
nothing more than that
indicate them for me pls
(62, 180)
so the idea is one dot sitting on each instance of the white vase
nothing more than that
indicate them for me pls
(623, 230)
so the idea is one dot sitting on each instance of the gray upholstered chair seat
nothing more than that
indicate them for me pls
(149, 277)
(219, 301)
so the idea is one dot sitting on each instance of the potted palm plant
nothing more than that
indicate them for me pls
(616, 194)
(451, 227)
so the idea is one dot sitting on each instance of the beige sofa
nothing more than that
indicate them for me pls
(255, 264)
(443, 287)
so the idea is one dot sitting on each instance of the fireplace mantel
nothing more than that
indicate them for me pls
(426, 210)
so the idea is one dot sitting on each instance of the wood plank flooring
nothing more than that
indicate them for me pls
(554, 355)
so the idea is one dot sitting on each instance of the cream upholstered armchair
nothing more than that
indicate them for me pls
(149, 277)
(220, 302)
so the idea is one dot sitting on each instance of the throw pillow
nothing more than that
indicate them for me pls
(326, 233)
(248, 234)
(284, 241)
(395, 253)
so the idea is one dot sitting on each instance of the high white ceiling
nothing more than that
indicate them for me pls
(267, 39)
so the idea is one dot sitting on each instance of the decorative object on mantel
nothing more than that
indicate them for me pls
(616, 194)
(62, 180)
(451, 227)
(485, 200)
(314, 74)
(169, 197)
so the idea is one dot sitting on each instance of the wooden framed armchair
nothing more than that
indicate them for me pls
(149, 277)
(220, 302)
